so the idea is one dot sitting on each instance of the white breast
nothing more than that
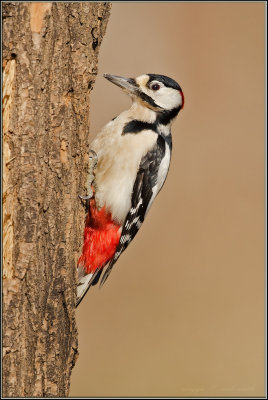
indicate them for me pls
(119, 157)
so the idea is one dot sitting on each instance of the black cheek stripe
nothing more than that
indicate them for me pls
(148, 100)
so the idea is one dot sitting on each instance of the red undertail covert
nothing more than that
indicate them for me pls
(101, 237)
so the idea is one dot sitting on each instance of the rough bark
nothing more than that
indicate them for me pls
(50, 55)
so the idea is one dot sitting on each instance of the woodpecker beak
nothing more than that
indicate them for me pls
(127, 84)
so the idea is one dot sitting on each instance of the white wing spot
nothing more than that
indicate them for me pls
(125, 238)
(135, 221)
(133, 210)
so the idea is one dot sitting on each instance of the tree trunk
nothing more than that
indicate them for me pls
(50, 63)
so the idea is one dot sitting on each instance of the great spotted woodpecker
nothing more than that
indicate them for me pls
(133, 152)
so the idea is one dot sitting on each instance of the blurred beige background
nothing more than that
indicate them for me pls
(182, 313)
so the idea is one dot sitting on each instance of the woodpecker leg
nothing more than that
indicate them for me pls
(93, 160)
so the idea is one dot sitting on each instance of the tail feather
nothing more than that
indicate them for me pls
(84, 282)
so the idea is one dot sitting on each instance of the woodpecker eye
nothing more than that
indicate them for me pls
(155, 86)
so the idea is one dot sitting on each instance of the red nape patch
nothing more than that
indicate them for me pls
(101, 237)
(182, 99)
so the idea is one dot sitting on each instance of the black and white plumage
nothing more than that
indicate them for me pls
(134, 151)
(144, 190)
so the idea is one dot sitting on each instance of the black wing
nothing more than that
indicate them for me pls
(142, 193)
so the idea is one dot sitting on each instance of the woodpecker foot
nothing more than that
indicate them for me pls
(93, 160)
(85, 197)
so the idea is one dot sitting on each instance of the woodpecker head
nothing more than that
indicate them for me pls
(157, 92)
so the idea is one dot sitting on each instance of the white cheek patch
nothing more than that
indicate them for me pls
(167, 98)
